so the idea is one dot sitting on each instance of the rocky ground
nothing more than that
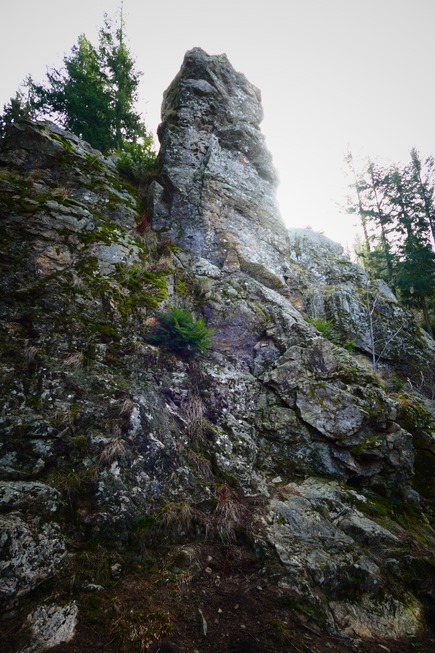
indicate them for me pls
(200, 597)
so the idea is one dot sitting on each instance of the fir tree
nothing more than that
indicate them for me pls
(381, 255)
(123, 81)
(397, 204)
(22, 106)
(93, 94)
(78, 96)
(422, 173)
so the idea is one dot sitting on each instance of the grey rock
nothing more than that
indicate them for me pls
(50, 626)
(31, 495)
(393, 619)
(121, 428)
(324, 541)
(31, 552)
(330, 287)
(215, 195)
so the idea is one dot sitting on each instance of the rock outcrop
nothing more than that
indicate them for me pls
(279, 443)
(361, 309)
(215, 196)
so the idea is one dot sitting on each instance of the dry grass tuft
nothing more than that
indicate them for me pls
(231, 513)
(193, 414)
(127, 408)
(75, 360)
(176, 516)
(30, 354)
(115, 450)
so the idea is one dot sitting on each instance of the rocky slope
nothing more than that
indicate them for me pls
(275, 473)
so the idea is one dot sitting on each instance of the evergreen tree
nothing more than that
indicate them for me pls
(93, 94)
(415, 264)
(397, 204)
(415, 277)
(422, 173)
(22, 105)
(123, 81)
(369, 203)
(381, 256)
(78, 96)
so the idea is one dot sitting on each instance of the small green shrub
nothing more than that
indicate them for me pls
(349, 344)
(396, 382)
(177, 331)
(136, 159)
(324, 326)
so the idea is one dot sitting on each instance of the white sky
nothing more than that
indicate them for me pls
(333, 74)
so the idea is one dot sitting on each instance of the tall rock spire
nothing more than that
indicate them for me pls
(216, 193)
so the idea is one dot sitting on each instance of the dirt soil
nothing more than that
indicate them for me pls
(198, 599)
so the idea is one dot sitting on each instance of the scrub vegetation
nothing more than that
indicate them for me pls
(177, 331)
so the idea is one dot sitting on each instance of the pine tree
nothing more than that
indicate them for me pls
(78, 96)
(22, 106)
(93, 94)
(398, 211)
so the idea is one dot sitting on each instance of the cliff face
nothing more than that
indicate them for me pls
(361, 309)
(215, 197)
(279, 447)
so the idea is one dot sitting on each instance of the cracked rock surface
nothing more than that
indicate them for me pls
(127, 470)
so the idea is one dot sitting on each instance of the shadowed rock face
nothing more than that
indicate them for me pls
(216, 196)
(102, 432)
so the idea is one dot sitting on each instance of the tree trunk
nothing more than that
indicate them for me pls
(426, 316)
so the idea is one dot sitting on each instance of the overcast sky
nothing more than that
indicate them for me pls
(333, 74)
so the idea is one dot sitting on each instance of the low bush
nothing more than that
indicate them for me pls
(324, 326)
(177, 331)
(350, 344)
(135, 160)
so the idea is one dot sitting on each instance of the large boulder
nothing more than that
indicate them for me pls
(338, 560)
(32, 545)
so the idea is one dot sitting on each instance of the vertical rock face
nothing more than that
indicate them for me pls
(215, 199)
(278, 446)
(216, 193)
(359, 308)
(317, 411)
